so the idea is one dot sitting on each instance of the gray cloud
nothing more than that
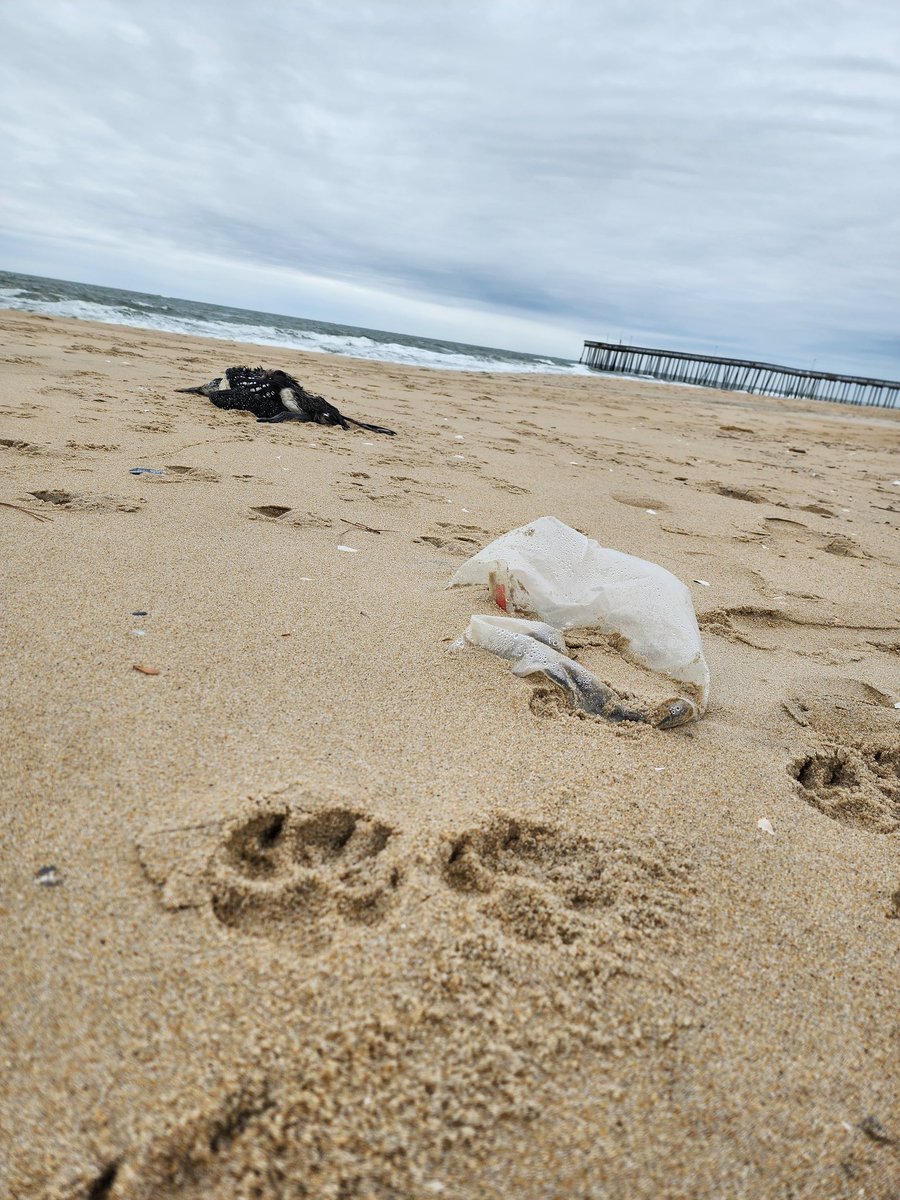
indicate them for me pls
(687, 175)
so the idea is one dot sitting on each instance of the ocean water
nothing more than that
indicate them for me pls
(62, 298)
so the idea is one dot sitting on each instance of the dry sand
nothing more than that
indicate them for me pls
(339, 913)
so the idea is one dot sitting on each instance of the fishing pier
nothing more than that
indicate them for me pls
(739, 375)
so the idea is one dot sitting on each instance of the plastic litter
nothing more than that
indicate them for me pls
(765, 825)
(570, 581)
(509, 636)
(537, 648)
(145, 471)
(48, 877)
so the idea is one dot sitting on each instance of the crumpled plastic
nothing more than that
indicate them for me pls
(572, 582)
(536, 648)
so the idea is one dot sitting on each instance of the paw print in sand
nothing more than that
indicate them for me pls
(292, 875)
(850, 769)
(544, 885)
(857, 785)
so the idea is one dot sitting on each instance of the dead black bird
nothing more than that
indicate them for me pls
(275, 396)
(249, 390)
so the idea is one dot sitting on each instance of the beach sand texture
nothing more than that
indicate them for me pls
(340, 913)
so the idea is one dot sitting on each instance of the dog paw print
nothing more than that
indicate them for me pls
(856, 785)
(543, 885)
(288, 874)
(454, 538)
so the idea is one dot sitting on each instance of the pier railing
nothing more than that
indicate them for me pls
(739, 375)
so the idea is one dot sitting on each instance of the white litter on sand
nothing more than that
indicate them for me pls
(572, 582)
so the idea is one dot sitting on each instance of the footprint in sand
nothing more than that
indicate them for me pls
(844, 547)
(731, 430)
(385, 499)
(787, 533)
(455, 539)
(749, 495)
(276, 868)
(408, 486)
(78, 502)
(152, 427)
(121, 350)
(647, 503)
(819, 509)
(507, 445)
(294, 875)
(193, 474)
(503, 485)
(851, 769)
(273, 512)
(362, 486)
(277, 512)
(20, 412)
(29, 448)
(546, 886)
(747, 624)
(858, 785)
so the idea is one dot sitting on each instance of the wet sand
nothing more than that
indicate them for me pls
(337, 912)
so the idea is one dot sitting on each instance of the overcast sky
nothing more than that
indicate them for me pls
(712, 175)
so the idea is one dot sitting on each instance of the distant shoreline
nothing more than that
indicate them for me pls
(142, 310)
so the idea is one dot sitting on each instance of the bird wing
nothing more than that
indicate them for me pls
(244, 376)
(252, 390)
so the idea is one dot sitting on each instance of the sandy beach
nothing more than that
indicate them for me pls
(297, 901)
